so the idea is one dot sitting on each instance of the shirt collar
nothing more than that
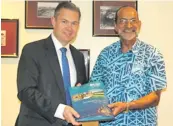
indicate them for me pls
(58, 44)
(135, 47)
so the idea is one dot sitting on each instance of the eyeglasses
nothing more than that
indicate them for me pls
(126, 21)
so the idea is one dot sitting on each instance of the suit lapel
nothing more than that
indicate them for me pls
(54, 63)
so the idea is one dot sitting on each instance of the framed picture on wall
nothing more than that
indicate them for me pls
(104, 14)
(86, 53)
(9, 38)
(38, 13)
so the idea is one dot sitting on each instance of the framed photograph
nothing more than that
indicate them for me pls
(38, 13)
(9, 38)
(86, 53)
(104, 13)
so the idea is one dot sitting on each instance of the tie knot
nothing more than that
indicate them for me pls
(63, 50)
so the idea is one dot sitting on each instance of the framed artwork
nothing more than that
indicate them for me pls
(86, 53)
(9, 38)
(104, 14)
(38, 13)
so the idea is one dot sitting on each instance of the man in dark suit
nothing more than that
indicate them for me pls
(40, 78)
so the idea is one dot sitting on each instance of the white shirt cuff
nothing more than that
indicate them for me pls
(59, 111)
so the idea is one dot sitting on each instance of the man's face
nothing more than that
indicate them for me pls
(66, 25)
(128, 24)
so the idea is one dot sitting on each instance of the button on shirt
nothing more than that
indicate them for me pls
(130, 76)
(73, 78)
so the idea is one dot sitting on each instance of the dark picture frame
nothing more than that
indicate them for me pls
(86, 53)
(9, 38)
(38, 13)
(104, 13)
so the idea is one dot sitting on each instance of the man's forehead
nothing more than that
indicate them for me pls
(127, 12)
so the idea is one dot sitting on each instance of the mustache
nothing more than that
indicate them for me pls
(132, 30)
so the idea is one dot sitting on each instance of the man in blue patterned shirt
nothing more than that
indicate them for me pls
(133, 73)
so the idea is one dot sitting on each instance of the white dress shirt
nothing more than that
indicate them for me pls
(58, 46)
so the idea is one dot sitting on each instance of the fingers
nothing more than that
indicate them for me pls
(78, 84)
(111, 105)
(117, 107)
(73, 121)
(75, 114)
(69, 114)
(115, 111)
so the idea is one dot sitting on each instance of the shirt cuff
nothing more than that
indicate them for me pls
(59, 111)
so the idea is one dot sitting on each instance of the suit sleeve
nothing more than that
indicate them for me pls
(27, 83)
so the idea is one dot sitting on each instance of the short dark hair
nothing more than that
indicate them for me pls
(67, 5)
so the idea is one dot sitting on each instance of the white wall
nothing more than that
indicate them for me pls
(157, 29)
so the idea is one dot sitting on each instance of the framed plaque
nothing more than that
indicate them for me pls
(9, 38)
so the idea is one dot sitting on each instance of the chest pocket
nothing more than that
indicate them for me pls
(137, 69)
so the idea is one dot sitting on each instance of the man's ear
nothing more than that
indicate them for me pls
(53, 20)
(139, 26)
(115, 27)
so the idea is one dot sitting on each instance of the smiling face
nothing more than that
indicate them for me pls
(65, 25)
(127, 25)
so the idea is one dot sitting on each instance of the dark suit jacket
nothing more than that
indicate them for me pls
(40, 83)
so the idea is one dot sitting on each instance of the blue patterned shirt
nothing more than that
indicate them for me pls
(130, 76)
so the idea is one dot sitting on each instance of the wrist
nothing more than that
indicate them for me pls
(127, 107)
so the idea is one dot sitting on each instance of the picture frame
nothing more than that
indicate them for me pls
(104, 13)
(38, 13)
(9, 38)
(86, 53)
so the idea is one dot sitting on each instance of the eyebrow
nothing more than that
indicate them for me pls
(68, 20)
